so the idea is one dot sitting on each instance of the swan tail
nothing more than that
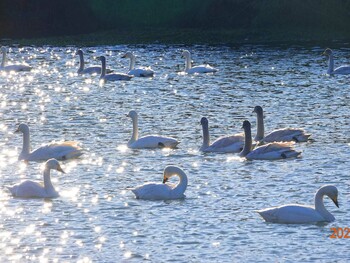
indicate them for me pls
(72, 155)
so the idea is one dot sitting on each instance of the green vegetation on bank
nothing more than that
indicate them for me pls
(108, 22)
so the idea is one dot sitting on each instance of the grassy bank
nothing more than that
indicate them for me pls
(186, 36)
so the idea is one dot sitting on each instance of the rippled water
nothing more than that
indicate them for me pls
(97, 218)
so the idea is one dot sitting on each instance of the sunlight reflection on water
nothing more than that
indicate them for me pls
(97, 219)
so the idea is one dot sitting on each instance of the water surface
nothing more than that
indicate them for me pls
(97, 219)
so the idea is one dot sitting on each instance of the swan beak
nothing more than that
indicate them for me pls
(165, 179)
(124, 56)
(60, 169)
(335, 201)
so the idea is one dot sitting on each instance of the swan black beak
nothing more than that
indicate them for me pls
(60, 170)
(335, 201)
(165, 180)
(17, 130)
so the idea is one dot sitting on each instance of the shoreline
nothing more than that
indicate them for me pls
(185, 37)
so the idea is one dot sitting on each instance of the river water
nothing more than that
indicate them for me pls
(97, 218)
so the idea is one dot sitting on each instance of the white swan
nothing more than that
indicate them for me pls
(88, 70)
(60, 150)
(225, 144)
(280, 135)
(343, 70)
(30, 189)
(197, 69)
(137, 72)
(270, 151)
(111, 76)
(163, 191)
(15, 68)
(150, 141)
(302, 214)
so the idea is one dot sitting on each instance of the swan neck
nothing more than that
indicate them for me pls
(81, 62)
(247, 142)
(206, 139)
(320, 208)
(135, 132)
(3, 59)
(182, 185)
(132, 63)
(260, 130)
(47, 180)
(330, 64)
(103, 70)
(188, 62)
(26, 143)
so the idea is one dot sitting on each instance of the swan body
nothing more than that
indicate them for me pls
(150, 141)
(342, 70)
(15, 68)
(31, 189)
(225, 144)
(163, 191)
(280, 135)
(111, 76)
(89, 70)
(137, 72)
(302, 214)
(60, 151)
(197, 69)
(270, 151)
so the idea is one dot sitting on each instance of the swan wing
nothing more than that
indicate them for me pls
(117, 76)
(287, 135)
(291, 214)
(342, 70)
(233, 143)
(59, 151)
(28, 189)
(201, 69)
(154, 141)
(16, 68)
(141, 72)
(153, 191)
(273, 151)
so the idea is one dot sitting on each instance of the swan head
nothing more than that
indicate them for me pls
(3, 49)
(246, 125)
(328, 52)
(23, 128)
(258, 110)
(204, 121)
(185, 53)
(132, 114)
(332, 192)
(170, 171)
(102, 58)
(128, 55)
(53, 164)
(79, 52)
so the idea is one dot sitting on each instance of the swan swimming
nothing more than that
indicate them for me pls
(31, 189)
(196, 69)
(60, 150)
(280, 135)
(343, 70)
(15, 68)
(111, 76)
(163, 191)
(225, 144)
(88, 70)
(270, 151)
(150, 141)
(137, 72)
(302, 214)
